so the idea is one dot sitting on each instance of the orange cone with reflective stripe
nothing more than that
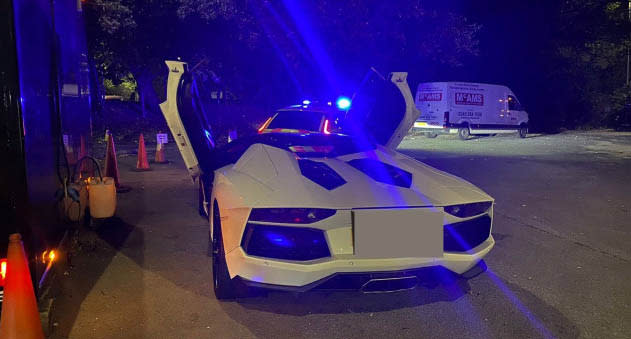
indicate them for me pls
(20, 317)
(142, 164)
(111, 165)
(160, 159)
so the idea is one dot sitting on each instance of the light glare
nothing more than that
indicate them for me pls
(343, 103)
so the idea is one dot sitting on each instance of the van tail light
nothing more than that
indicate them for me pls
(3, 271)
(446, 118)
(264, 126)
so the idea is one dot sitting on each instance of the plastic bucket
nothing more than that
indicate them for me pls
(102, 197)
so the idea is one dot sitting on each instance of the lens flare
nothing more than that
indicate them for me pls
(343, 103)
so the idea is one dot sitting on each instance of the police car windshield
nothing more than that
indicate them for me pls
(299, 120)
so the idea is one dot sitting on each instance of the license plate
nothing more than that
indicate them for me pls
(398, 233)
(420, 124)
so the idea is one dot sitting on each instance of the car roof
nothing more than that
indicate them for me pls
(320, 108)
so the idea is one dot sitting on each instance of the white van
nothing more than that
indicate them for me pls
(468, 108)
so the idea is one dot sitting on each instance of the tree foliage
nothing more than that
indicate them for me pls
(266, 51)
(592, 52)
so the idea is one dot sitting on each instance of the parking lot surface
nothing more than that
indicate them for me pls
(560, 268)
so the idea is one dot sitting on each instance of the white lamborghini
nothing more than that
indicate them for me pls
(300, 206)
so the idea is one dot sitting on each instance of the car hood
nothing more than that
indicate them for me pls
(267, 176)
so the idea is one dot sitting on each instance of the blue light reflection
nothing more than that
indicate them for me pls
(279, 239)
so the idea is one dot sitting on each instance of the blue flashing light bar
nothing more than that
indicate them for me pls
(343, 103)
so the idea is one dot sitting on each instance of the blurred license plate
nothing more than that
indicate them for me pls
(420, 124)
(398, 233)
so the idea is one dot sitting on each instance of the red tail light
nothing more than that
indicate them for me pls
(3, 271)
(264, 126)
(290, 215)
(327, 129)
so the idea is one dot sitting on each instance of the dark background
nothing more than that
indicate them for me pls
(565, 60)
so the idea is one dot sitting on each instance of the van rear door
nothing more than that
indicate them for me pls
(431, 100)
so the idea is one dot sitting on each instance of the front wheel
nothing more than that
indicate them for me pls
(464, 133)
(523, 131)
(223, 286)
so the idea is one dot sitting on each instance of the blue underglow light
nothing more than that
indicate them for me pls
(306, 102)
(343, 103)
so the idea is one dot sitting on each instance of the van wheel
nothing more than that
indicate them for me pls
(431, 135)
(523, 131)
(464, 133)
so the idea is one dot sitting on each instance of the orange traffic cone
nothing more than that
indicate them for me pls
(20, 317)
(142, 164)
(86, 169)
(111, 165)
(160, 159)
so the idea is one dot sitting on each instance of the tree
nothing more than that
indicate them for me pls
(274, 52)
(132, 37)
(592, 54)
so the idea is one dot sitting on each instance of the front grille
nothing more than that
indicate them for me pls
(465, 235)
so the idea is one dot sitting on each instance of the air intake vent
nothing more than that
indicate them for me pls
(466, 235)
(321, 174)
(383, 172)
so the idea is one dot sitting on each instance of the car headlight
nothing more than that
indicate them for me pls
(284, 242)
(468, 210)
(290, 215)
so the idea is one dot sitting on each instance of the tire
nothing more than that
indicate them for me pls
(523, 131)
(431, 135)
(464, 133)
(223, 286)
(201, 208)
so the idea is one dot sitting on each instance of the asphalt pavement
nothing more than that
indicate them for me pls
(560, 268)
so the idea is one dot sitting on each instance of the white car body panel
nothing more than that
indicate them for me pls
(265, 176)
(172, 116)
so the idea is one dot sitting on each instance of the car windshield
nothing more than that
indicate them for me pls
(300, 120)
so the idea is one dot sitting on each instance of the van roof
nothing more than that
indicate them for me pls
(461, 83)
